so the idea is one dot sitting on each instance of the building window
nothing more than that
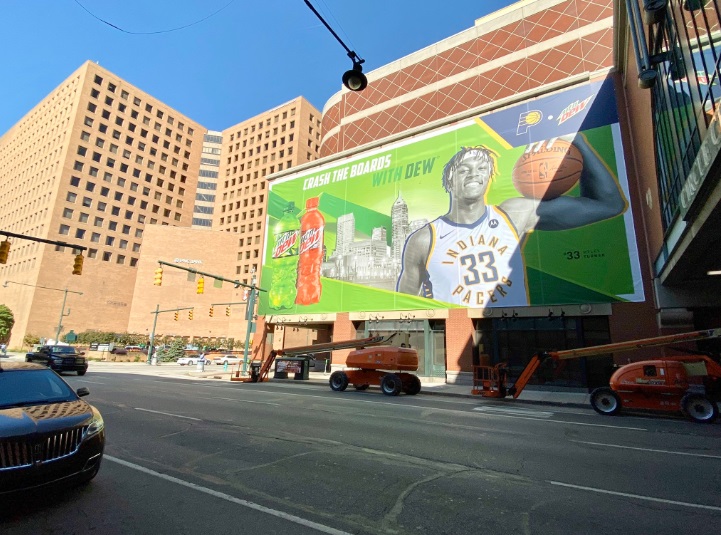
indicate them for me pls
(71, 197)
(64, 230)
(107, 256)
(80, 233)
(95, 237)
(87, 202)
(68, 213)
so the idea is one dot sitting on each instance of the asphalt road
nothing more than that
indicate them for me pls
(203, 456)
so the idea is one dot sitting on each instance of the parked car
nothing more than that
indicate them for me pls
(48, 435)
(227, 359)
(59, 358)
(191, 360)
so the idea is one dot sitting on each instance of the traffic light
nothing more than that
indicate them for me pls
(210, 312)
(158, 279)
(4, 250)
(78, 265)
(176, 315)
(190, 314)
(201, 285)
(227, 311)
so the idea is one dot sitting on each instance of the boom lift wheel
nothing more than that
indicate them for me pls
(338, 381)
(605, 401)
(412, 386)
(699, 408)
(391, 385)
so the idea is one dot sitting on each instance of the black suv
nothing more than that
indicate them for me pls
(60, 358)
(47, 433)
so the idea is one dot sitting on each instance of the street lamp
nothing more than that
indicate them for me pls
(62, 309)
(354, 79)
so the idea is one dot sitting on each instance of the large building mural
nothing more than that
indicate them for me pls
(526, 205)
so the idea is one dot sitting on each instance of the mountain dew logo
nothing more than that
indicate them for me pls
(311, 239)
(286, 244)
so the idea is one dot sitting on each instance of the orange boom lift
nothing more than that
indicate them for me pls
(377, 364)
(688, 384)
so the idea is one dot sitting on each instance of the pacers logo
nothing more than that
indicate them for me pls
(528, 119)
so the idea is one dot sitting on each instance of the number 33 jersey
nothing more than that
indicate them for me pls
(476, 265)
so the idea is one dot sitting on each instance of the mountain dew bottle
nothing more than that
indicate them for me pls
(285, 260)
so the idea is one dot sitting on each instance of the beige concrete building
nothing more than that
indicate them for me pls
(97, 164)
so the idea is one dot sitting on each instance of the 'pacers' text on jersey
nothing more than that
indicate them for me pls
(477, 265)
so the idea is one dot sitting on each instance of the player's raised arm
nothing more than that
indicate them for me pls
(415, 254)
(601, 198)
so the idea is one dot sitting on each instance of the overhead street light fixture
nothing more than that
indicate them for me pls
(353, 79)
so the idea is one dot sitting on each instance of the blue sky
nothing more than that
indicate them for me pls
(247, 58)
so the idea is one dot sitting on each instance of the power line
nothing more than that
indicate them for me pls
(155, 32)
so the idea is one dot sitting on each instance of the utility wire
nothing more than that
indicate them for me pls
(337, 24)
(155, 32)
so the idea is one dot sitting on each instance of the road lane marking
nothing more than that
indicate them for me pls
(648, 449)
(245, 503)
(241, 401)
(168, 414)
(515, 412)
(438, 409)
(637, 496)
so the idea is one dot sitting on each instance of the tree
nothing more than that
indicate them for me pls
(7, 320)
(174, 351)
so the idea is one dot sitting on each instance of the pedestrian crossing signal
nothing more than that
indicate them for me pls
(78, 265)
(158, 279)
(210, 312)
(227, 311)
(4, 251)
(176, 316)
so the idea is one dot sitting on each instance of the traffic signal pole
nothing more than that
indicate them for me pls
(152, 357)
(251, 298)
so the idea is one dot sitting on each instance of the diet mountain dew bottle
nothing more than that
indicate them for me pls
(285, 260)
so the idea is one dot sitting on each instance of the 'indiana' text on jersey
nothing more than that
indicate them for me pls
(476, 265)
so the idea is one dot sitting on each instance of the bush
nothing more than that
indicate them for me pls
(31, 340)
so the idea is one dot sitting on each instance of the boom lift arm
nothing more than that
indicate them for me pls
(489, 381)
(260, 373)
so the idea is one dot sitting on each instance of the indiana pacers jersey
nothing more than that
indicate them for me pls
(477, 265)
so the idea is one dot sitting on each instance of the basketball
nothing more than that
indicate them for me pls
(547, 169)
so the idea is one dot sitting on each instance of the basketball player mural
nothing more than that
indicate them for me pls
(472, 255)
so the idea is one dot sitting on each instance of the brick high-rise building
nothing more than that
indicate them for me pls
(95, 163)
(92, 164)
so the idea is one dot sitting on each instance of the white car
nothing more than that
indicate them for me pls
(227, 359)
(188, 361)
